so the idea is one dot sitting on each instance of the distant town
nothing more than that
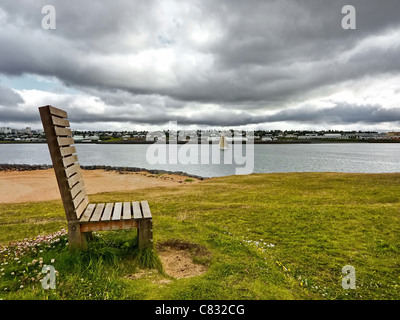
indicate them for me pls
(27, 135)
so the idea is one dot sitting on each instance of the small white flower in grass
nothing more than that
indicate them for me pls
(21, 286)
(53, 260)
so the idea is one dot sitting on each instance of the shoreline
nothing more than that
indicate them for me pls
(311, 141)
(33, 183)
(4, 167)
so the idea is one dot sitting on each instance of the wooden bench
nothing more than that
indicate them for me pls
(84, 217)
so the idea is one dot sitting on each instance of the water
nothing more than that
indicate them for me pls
(335, 157)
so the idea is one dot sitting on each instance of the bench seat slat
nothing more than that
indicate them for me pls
(117, 211)
(137, 214)
(146, 210)
(98, 212)
(88, 212)
(107, 212)
(126, 212)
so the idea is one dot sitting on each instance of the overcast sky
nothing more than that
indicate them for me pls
(123, 64)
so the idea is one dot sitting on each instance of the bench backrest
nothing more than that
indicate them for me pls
(65, 161)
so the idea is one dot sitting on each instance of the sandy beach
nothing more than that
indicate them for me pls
(41, 185)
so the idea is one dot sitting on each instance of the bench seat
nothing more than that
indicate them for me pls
(114, 216)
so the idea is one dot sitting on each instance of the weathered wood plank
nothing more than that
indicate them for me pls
(74, 179)
(107, 212)
(69, 160)
(88, 213)
(98, 212)
(57, 112)
(77, 188)
(146, 210)
(72, 170)
(137, 214)
(81, 207)
(78, 199)
(66, 151)
(108, 225)
(62, 132)
(126, 213)
(60, 122)
(117, 211)
(63, 142)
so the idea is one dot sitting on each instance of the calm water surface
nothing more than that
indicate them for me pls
(346, 157)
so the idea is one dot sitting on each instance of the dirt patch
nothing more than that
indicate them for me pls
(178, 258)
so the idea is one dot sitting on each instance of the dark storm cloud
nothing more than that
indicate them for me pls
(150, 59)
(9, 97)
(341, 113)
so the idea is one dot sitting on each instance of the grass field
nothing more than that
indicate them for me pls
(263, 236)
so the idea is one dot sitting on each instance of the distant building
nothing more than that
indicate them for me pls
(310, 136)
(367, 136)
(94, 138)
(393, 135)
(266, 139)
(5, 130)
(332, 136)
(78, 138)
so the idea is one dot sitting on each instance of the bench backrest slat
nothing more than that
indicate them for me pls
(65, 161)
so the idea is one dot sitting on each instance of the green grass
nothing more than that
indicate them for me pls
(269, 236)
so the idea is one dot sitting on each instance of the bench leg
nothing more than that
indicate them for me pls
(145, 233)
(76, 238)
